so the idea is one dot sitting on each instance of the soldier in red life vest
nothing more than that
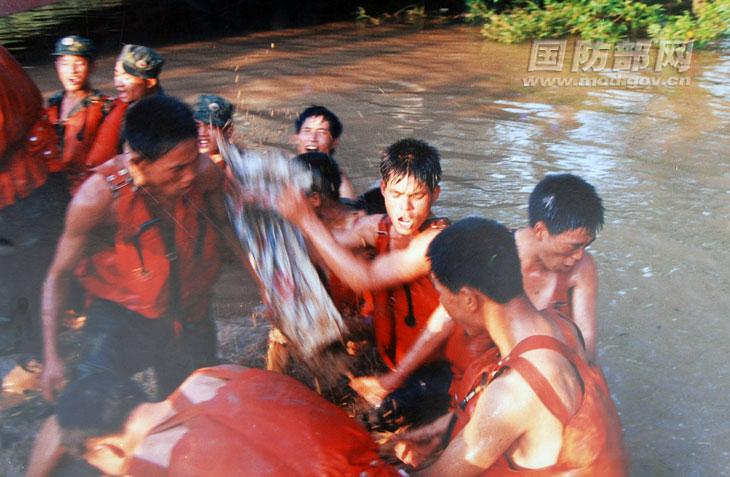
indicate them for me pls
(136, 76)
(222, 421)
(143, 236)
(565, 214)
(78, 110)
(404, 297)
(542, 409)
(31, 215)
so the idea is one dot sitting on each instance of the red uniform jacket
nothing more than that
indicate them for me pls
(107, 141)
(131, 263)
(250, 422)
(77, 133)
(27, 140)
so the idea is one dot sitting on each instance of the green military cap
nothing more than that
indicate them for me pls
(141, 61)
(75, 45)
(212, 109)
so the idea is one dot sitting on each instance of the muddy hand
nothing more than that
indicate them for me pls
(53, 379)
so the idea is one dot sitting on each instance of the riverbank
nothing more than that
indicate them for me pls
(656, 154)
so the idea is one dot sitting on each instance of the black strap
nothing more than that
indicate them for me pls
(410, 318)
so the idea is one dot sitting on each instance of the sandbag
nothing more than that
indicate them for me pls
(280, 428)
(302, 308)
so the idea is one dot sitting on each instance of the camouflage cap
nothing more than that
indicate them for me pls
(141, 61)
(214, 110)
(75, 45)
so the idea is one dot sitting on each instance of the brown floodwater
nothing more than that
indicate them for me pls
(657, 155)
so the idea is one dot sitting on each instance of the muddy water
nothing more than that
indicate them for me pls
(657, 155)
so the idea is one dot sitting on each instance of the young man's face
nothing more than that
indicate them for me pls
(171, 175)
(73, 72)
(408, 203)
(130, 88)
(207, 138)
(315, 136)
(560, 253)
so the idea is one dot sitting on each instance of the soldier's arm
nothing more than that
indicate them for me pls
(90, 207)
(375, 388)
(584, 281)
(501, 416)
(387, 270)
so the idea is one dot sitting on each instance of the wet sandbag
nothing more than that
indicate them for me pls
(302, 308)
(262, 423)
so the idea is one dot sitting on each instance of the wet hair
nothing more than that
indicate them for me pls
(478, 253)
(329, 116)
(154, 125)
(565, 202)
(411, 157)
(326, 177)
(94, 406)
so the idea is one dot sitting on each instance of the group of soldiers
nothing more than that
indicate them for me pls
(499, 325)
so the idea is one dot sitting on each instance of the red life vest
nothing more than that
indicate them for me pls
(401, 313)
(131, 265)
(256, 423)
(106, 144)
(27, 141)
(592, 439)
(77, 134)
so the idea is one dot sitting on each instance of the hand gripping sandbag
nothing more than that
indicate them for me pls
(303, 310)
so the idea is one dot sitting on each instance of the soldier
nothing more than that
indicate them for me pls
(78, 110)
(136, 76)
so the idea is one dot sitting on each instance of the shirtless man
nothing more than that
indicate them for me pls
(78, 110)
(542, 408)
(318, 130)
(214, 118)
(136, 76)
(146, 229)
(565, 214)
(222, 421)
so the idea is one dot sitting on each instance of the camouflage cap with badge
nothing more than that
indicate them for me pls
(75, 45)
(141, 61)
(212, 109)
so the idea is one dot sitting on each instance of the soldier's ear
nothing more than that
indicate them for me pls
(541, 231)
(150, 83)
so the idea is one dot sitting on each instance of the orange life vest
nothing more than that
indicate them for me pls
(27, 140)
(134, 265)
(401, 313)
(592, 439)
(77, 133)
(259, 423)
(107, 141)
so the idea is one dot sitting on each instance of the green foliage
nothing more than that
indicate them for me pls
(712, 22)
(411, 14)
(600, 20)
